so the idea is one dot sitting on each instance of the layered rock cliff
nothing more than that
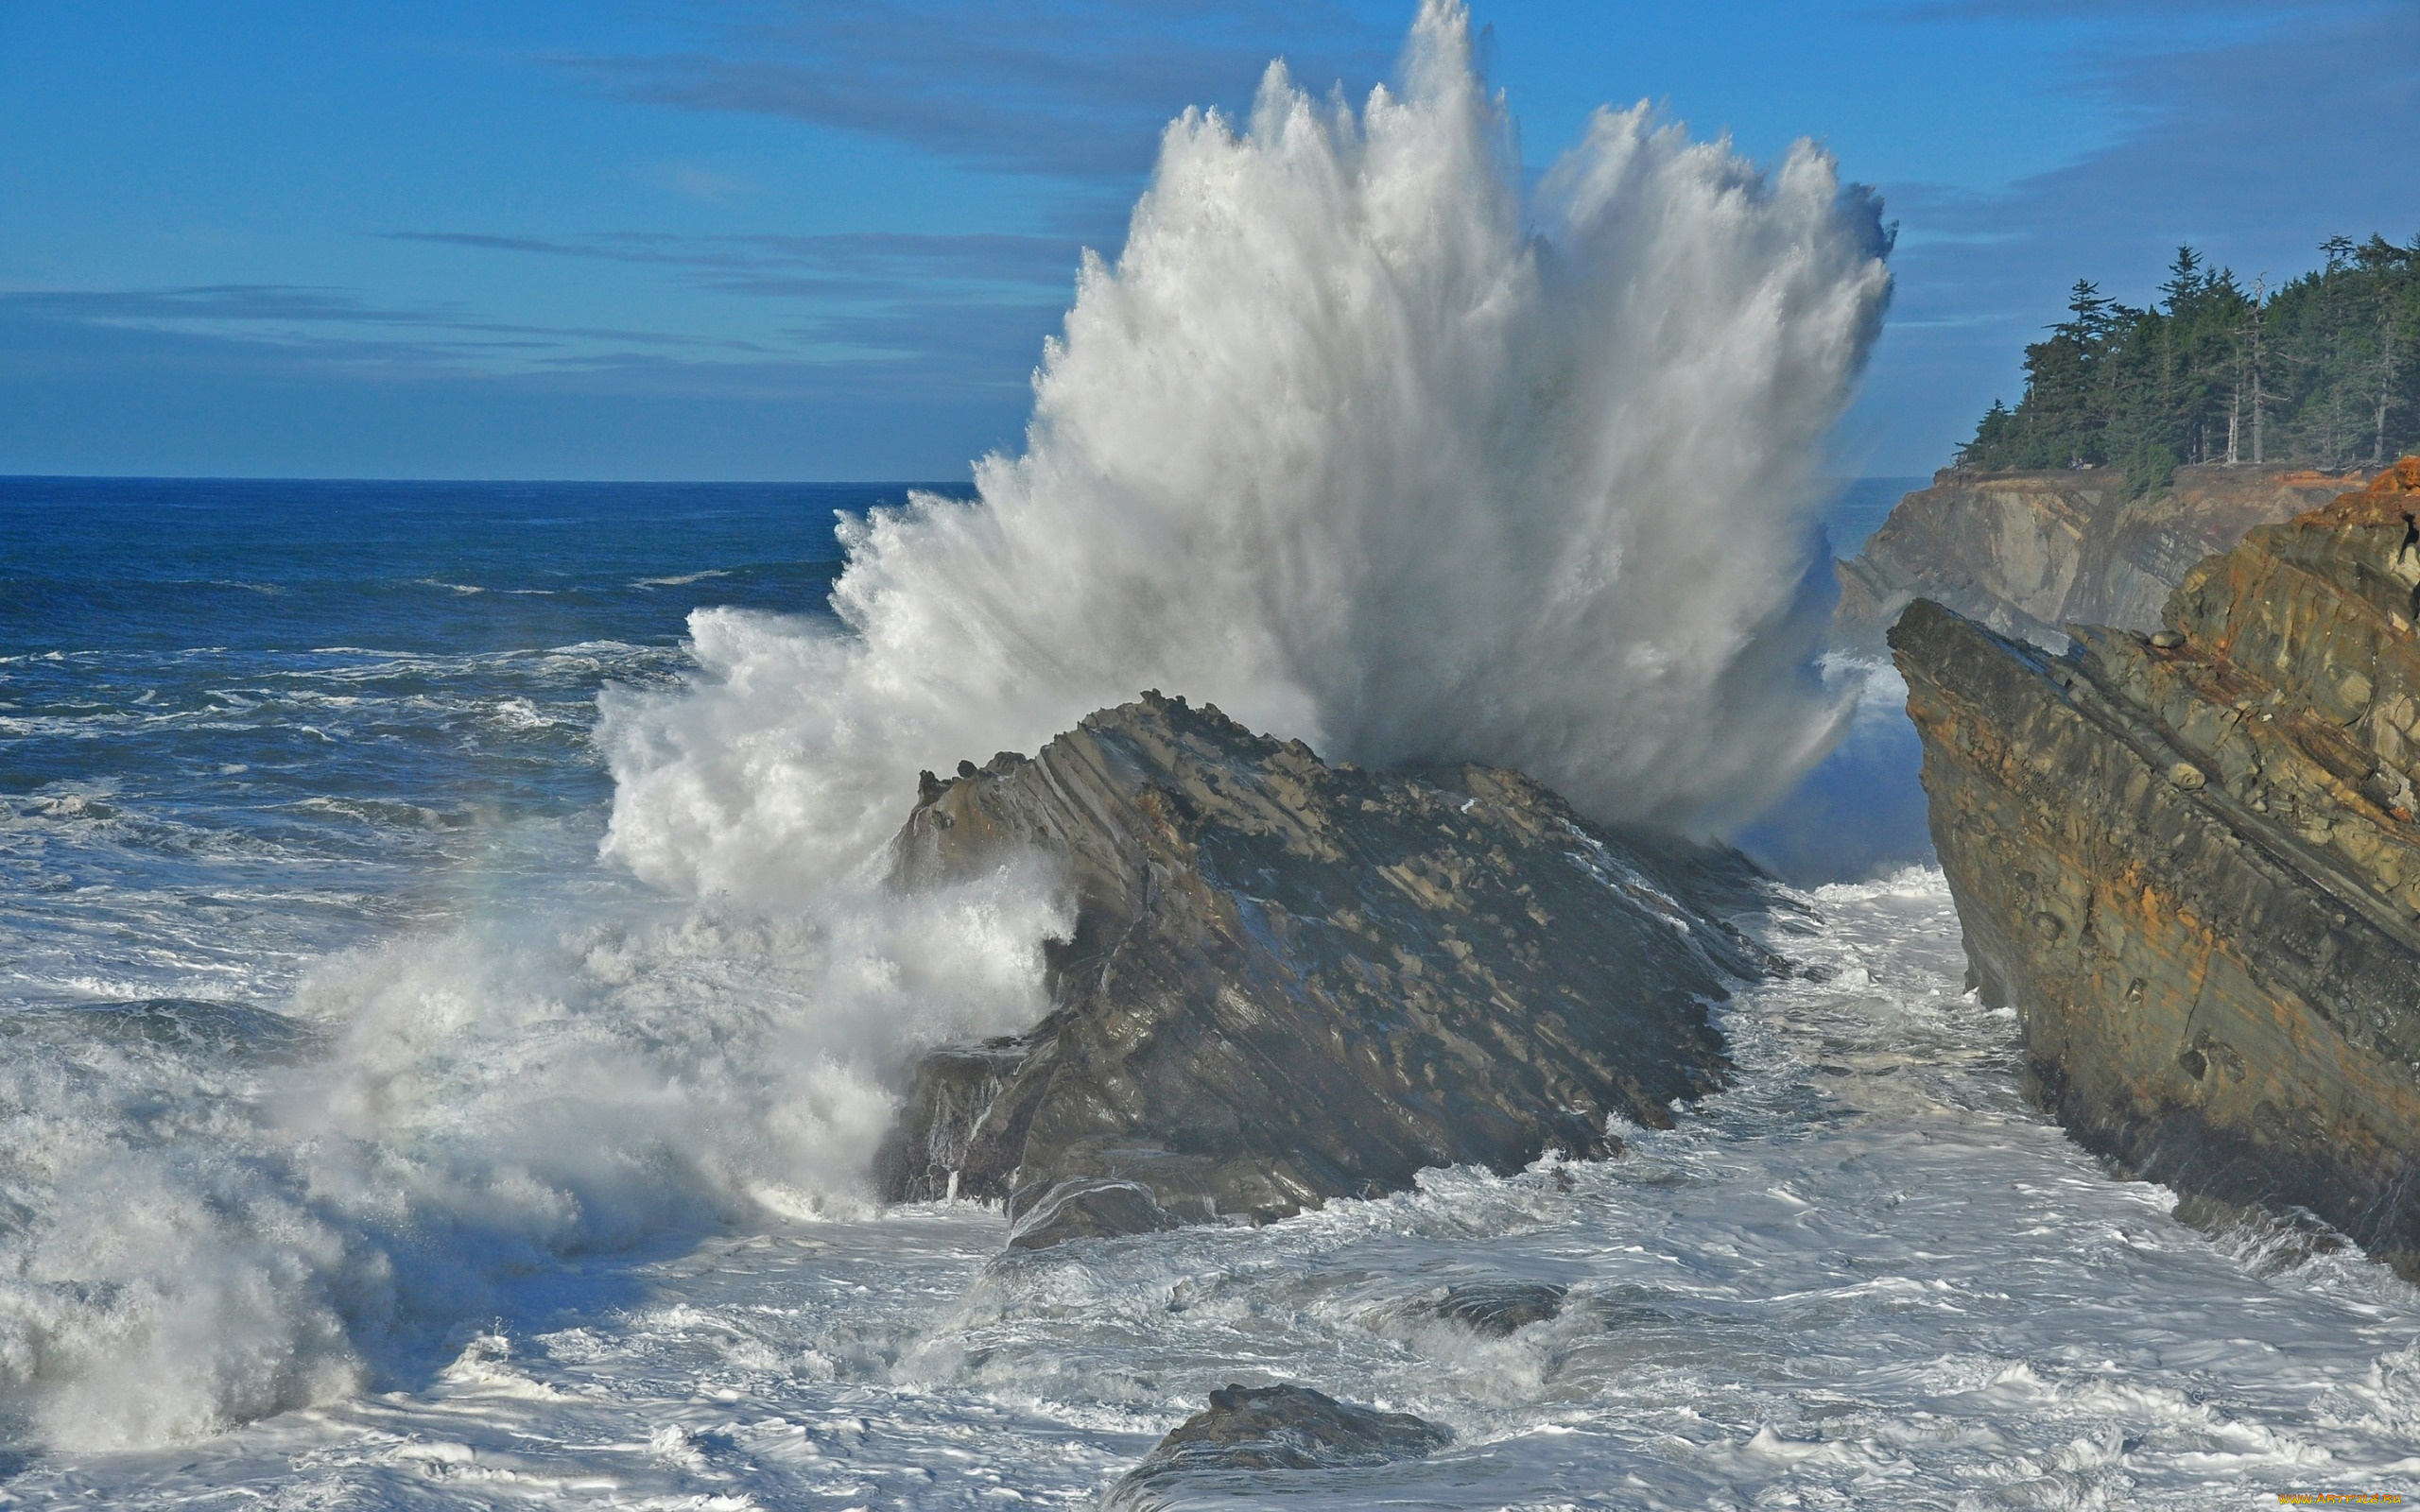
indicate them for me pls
(2029, 553)
(1291, 981)
(2189, 860)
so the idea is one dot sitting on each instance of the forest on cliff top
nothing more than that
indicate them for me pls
(2323, 370)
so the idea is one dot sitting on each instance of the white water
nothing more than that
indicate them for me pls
(198, 1234)
(1868, 1276)
(1366, 447)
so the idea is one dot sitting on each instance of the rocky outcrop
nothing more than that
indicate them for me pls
(1498, 1309)
(1290, 981)
(2029, 553)
(2189, 860)
(1254, 1429)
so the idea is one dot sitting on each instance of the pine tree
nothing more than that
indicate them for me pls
(2330, 363)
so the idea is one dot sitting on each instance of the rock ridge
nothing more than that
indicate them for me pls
(1290, 981)
(2028, 553)
(2189, 860)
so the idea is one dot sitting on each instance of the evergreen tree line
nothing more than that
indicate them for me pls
(2323, 371)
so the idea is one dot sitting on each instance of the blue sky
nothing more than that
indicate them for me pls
(754, 239)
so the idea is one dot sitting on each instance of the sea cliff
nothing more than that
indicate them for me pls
(2029, 553)
(2189, 860)
(1291, 981)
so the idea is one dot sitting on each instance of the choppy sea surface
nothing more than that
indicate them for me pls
(267, 750)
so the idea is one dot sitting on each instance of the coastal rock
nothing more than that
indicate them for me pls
(1290, 981)
(953, 1088)
(2191, 863)
(2028, 553)
(1249, 1429)
(1499, 1309)
(1090, 1208)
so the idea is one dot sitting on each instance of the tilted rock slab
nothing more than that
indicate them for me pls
(2189, 860)
(1290, 982)
(1247, 1431)
(2028, 553)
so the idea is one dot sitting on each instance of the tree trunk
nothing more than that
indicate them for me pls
(2386, 392)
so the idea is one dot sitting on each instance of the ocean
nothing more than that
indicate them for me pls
(367, 1140)
(248, 723)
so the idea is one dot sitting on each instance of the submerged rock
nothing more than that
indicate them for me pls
(2026, 553)
(1273, 1428)
(186, 1025)
(1289, 982)
(1090, 1208)
(1499, 1309)
(2191, 863)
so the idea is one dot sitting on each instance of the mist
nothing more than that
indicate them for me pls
(1369, 446)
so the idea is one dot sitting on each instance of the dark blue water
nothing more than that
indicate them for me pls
(1861, 506)
(242, 723)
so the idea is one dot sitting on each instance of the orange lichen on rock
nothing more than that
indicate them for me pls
(2217, 821)
(2383, 503)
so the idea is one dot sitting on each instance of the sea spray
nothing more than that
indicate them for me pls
(1369, 448)
(195, 1237)
(1355, 438)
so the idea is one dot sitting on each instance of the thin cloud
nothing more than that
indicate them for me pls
(1068, 88)
(868, 297)
(938, 355)
(2253, 139)
(934, 343)
(86, 398)
(704, 186)
(2264, 11)
(2255, 150)
(315, 319)
(771, 264)
(214, 301)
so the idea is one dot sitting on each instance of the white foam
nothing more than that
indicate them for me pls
(200, 1243)
(1370, 447)
(1868, 1275)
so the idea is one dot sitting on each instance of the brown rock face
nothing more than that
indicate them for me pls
(2029, 553)
(1291, 981)
(2191, 863)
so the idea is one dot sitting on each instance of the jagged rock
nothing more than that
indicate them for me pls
(1090, 1208)
(2028, 553)
(954, 1090)
(1250, 1429)
(2192, 867)
(1289, 982)
(1499, 1309)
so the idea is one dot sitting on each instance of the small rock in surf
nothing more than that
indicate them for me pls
(1249, 1431)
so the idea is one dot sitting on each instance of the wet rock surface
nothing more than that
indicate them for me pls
(1499, 1309)
(1256, 1429)
(1090, 1208)
(1289, 982)
(2189, 860)
(2028, 553)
